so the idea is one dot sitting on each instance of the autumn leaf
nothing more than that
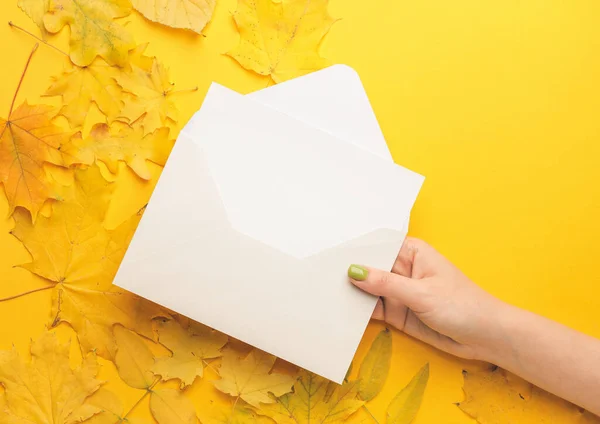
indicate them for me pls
(189, 350)
(249, 378)
(404, 407)
(133, 359)
(120, 142)
(215, 413)
(315, 400)
(93, 29)
(281, 38)
(36, 9)
(79, 258)
(495, 396)
(187, 14)
(170, 406)
(108, 407)
(92, 314)
(375, 367)
(29, 140)
(79, 87)
(72, 247)
(46, 389)
(150, 96)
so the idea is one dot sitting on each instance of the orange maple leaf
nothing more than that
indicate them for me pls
(29, 140)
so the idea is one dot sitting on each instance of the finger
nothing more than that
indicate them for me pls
(386, 284)
(395, 312)
(405, 259)
(379, 311)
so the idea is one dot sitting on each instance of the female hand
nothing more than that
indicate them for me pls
(430, 299)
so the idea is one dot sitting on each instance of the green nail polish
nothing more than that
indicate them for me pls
(357, 272)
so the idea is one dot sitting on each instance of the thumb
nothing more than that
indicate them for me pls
(385, 284)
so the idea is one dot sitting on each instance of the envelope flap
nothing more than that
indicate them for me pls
(292, 186)
(332, 99)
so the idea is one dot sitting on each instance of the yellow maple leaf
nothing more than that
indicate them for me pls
(28, 140)
(281, 39)
(169, 406)
(215, 413)
(72, 247)
(79, 258)
(79, 87)
(36, 9)
(133, 359)
(93, 29)
(46, 389)
(108, 408)
(315, 401)
(375, 367)
(120, 142)
(189, 347)
(250, 378)
(188, 14)
(150, 96)
(405, 405)
(495, 396)
(92, 314)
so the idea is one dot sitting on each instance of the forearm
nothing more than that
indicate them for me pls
(549, 355)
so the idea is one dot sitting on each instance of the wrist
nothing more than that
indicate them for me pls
(502, 325)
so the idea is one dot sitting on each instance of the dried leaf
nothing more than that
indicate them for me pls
(151, 93)
(46, 389)
(74, 251)
(404, 407)
(79, 87)
(93, 29)
(28, 140)
(188, 14)
(249, 378)
(189, 350)
(281, 39)
(109, 405)
(215, 413)
(36, 9)
(133, 359)
(120, 142)
(375, 367)
(92, 314)
(73, 247)
(315, 401)
(170, 406)
(495, 396)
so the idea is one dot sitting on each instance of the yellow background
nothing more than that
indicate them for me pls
(497, 103)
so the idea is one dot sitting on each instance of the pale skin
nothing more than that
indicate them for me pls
(430, 299)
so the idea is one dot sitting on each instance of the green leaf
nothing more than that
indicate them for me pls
(375, 367)
(404, 407)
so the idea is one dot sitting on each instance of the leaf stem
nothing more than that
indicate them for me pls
(146, 393)
(36, 37)
(370, 414)
(233, 409)
(181, 91)
(12, 105)
(208, 365)
(27, 292)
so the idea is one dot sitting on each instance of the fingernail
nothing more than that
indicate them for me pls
(357, 272)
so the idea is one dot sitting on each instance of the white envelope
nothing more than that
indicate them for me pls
(253, 224)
